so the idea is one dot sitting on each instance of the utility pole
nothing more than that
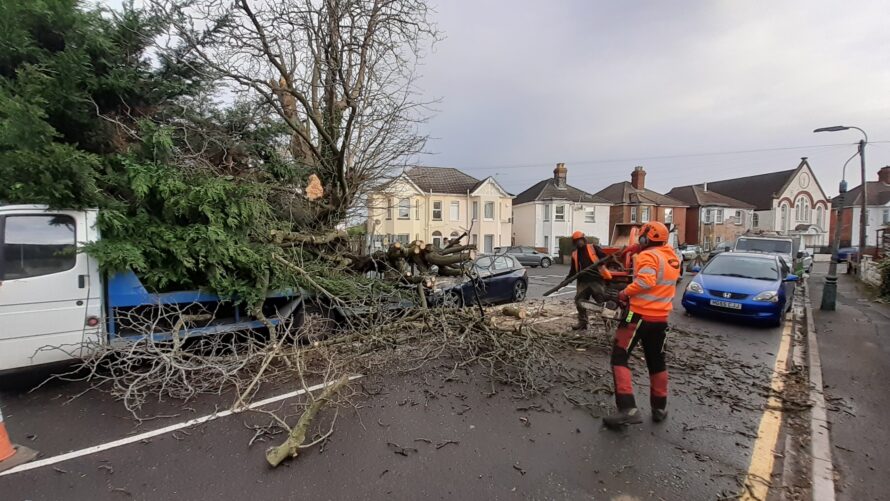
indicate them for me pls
(863, 214)
(829, 291)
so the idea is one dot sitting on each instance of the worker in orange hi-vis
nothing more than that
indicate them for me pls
(649, 301)
(589, 285)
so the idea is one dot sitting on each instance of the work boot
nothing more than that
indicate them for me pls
(622, 418)
(580, 326)
(659, 415)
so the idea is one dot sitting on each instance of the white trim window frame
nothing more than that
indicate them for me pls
(404, 208)
(559, 213)
(454, 210)
(437, 208)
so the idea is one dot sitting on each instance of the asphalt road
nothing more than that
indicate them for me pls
(390, 445)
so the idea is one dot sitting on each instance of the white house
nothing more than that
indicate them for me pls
(790, 202)
(435, 204)
(552, 209)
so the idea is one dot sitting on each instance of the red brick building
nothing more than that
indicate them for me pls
(632, 202)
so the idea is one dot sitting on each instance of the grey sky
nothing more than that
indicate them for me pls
(605, 85)
(525, 84)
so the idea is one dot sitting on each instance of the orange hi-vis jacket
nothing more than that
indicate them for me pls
(605, 273)
(656, 271)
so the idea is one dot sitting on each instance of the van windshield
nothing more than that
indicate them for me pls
(764, 245)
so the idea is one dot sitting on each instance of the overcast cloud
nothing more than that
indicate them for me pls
(525, 84)
(606, 85)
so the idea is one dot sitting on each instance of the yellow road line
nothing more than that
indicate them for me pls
(759, 478)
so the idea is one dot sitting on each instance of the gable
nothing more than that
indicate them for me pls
(489, 188)
(803, 182)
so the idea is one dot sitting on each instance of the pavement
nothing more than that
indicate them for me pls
(425, 435)
(854, 343)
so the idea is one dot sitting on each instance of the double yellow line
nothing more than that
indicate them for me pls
(759, 478)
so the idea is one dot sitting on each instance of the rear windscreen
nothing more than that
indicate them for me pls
(764, 245)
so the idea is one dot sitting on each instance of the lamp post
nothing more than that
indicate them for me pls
(863, 211)
(829, 291)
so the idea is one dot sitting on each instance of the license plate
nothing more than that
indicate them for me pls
(726, 304)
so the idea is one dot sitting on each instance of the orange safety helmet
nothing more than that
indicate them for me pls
(577, 235)
(655, 231)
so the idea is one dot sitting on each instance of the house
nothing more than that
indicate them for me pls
(552, 209)
(712, 218)
(790, 202)
(434, 204)
(878, 211)
(632, 202)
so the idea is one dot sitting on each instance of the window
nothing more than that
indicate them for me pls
(755, 220)
(547, 243)
(475, 239)
(783, 210)
(739, 216)
(718, 216)
(802, 209)
(590, 215)
(709, 216)
(489, 210)
(404, 208)
(489, 244)
(455, 210)
(437, 210)
(559, 213)
(820, 217)
(668, 216)
(417, 210)
(645, 215)
(475, 211)
(388, 209)
(546, 213)
(437, 239)
(886, 215)
(503, 263)
(37, 245)
(404, 238)
(633, 214)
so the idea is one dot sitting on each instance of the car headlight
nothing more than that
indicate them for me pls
(695, 287)
(771, 296)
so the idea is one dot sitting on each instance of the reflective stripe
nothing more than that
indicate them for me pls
(642, 284)
(654, 299)
(646, 271)
(666, 282)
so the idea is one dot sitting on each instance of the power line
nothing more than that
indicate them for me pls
(662, 157)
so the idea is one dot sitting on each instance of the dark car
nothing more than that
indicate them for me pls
(742, 285)
(719, 249)
(848, 254)
(495, 279)
(526, 255)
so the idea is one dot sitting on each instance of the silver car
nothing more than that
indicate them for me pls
(527, 256)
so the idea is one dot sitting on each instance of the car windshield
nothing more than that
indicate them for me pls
(730, 265)
(764, 245)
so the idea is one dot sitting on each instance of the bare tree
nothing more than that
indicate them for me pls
(340, 73)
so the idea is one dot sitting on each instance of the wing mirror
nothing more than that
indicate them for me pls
(791, 277)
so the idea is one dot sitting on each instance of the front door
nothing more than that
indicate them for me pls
(44, 287)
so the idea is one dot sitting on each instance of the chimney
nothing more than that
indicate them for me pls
(884, 175)
(559, 175)
(638, 178)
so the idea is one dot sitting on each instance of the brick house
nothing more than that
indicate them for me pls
(878, 211)
(632, 202)
(712, 218)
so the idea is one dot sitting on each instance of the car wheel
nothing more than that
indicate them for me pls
(546, 262)
(519, 291)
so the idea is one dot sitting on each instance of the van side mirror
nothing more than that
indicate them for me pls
(799, 254)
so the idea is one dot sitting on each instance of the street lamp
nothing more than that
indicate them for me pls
(863, 215)
(829, 292)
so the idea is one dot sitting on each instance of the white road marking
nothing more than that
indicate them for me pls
(154, 433)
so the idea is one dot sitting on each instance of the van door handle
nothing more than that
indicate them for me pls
(81, 281)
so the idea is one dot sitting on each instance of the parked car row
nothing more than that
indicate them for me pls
(527, 256)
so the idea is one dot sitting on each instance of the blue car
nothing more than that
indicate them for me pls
(742, 285)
